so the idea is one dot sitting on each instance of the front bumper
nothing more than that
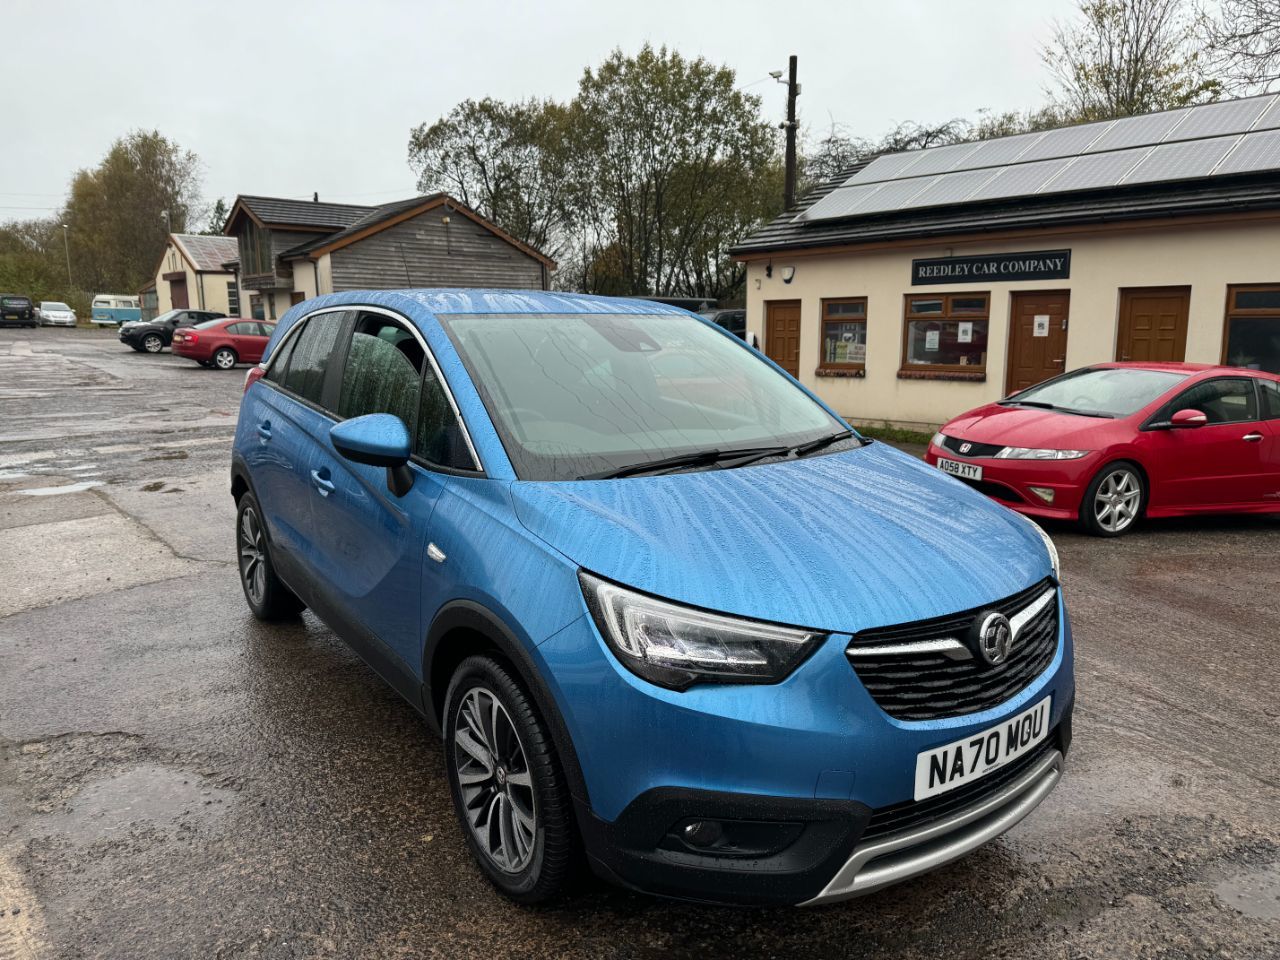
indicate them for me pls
(794, 772)
(1010, 482)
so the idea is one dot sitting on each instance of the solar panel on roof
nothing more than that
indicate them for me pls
(1217, 119)
(1271, 119)
(1139, 131)
(941, 159)
(1255, 152)
(994, 153)
(1181, 161)
(839, 202)
(1066, 142)
(895, 194)
(882, 168)
(1018, 180)
(1095, 170)
(953, 187)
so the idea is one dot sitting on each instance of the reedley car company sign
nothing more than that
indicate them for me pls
(985, 268)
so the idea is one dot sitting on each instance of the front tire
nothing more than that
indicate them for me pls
(225, 358)
(266, 594)
(1114, 500)
(508, 791)
(152, 343)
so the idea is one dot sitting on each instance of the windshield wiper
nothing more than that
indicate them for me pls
(1052, 406)
(1030, 403)
(800, 450)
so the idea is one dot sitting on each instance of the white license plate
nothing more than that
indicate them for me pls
(968, 471)
(970, 759)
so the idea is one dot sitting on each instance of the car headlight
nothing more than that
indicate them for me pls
(676, 646)
(1048, 545)
(938, 438)
(1033, 453)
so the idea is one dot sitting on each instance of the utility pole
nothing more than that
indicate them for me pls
(66, 244)
(790, 126)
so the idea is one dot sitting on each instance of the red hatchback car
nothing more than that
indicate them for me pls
(1110, 443)
(223, 343)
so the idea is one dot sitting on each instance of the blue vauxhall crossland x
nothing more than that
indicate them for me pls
(673, 618)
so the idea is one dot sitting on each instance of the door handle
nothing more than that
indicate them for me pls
(1251, 437)
(323, 485)
(264, 430)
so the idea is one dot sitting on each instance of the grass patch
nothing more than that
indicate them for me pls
(889, 434)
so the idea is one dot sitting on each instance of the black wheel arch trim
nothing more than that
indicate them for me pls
(470, 615)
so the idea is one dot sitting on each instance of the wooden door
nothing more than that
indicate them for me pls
(178, 293)
(782, 334)
(1153, 324)
(1037, 338)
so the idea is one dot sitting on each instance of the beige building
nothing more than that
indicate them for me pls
(292, 250)
(1147, 238)
(192, 273)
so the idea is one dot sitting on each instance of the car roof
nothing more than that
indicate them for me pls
(1196, 370)
(479, 301)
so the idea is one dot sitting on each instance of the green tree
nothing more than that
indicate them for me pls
(1123, 57)
(217, 218)
(504, 160)
(120, 212)
(33, 262)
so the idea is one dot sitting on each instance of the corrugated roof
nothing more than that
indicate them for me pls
(304, 213)
(207, 253)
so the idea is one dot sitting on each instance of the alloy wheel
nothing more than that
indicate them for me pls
(224, 359)
(252, 549)
(153, 344)
(495, 782)
(1115, 505)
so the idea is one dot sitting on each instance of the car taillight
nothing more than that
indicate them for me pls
(252, 377)
(190, 337)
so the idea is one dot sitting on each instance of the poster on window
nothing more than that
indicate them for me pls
(964, 332)
(931, 341)
(1041, 328)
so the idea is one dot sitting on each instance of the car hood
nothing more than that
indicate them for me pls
(841, 542)
(1028, 427)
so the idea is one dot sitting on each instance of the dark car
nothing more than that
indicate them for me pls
(735, 321)
(152, 336)
(17, 310)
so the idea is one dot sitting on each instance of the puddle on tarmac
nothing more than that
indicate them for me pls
(1255, 893)
(55, 491)
(147, 794)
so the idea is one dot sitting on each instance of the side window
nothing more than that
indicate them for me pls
(280, 362)
(438, 438)
(384, 366)
(311, 354)
(1270, 391)
(265, 329)
(1228, 400)
(243, 329)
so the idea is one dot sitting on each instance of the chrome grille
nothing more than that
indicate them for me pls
(925, 671)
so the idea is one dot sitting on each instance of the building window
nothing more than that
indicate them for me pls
(946, 334)
(844, 337)
(255, 307)
(1253, 328)
(233, 298)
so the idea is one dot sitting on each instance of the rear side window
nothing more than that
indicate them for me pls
(241, 329)
(384, 366)
(1270, 391)
(311, 356)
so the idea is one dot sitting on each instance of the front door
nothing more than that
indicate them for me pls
(1037, 338)
(1153, 324)
(178, 293)
(782, 334)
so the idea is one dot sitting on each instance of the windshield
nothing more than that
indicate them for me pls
(1101, 391)
(167, 316)
(51, 305)
(16, 301)
(584, 394)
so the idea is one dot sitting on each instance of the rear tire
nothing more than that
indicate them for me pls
(1114, 500)
(152, 343)
(508, 791)
(225, 358)
(266, 594)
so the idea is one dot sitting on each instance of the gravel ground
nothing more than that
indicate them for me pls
(177, 780)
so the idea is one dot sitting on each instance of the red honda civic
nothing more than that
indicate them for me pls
(223, 343)
(1114, 442)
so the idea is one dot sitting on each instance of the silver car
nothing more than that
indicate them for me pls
(55, 314)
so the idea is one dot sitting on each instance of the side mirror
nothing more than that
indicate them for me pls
(379, 440)
(1186, 419)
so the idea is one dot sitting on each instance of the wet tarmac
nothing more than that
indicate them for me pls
(177, 780)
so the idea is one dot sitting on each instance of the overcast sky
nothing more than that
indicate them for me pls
(289, 98)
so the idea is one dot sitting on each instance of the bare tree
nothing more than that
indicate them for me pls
(1123, 57)
(1243, 38)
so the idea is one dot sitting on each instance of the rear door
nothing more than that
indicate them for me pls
(1269, 401)
(252, 340)
(370, 544)
(1217, 465)
(284, 424)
